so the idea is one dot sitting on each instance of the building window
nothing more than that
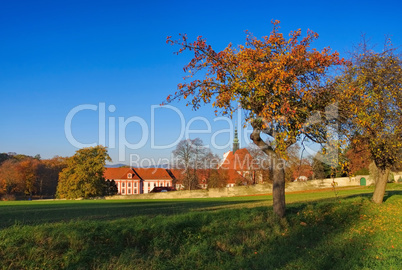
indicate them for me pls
(129, 184)
(135, 191)
(161, 185)
(135, 184)
(149, 184)
(129, 175)
(167, 184)
(129, 191)
(123, 191)
(123, 184)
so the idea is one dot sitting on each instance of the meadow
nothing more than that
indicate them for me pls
(321, 231)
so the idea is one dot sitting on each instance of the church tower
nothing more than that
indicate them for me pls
(235, 142)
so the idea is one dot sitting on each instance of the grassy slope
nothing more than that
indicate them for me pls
(224, 233)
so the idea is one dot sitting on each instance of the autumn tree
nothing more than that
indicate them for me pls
(10, 180)
(83, 176)
(217, 178)
(301, 169)
(278, 82)
(372, 103)
(19, 175)
(49, 170)
(28, 171)
(358, 158)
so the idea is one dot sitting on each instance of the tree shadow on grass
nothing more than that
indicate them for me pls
(388, 194)
(66, 211)
(317, 240)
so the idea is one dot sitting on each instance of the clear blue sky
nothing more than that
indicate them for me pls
(57, 55)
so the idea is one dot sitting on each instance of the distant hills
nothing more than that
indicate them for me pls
(119, 165)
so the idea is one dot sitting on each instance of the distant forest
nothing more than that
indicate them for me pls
(28, 177)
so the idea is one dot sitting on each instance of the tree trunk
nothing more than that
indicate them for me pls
(278, 188)
(380, 185)
(278, 167)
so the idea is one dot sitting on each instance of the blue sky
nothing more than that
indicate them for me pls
(57, 55)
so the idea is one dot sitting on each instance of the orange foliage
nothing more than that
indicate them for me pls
(358, 158)
(278, 81)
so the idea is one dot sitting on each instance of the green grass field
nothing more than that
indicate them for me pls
(320, 231)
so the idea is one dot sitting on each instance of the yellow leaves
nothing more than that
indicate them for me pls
(373, 102)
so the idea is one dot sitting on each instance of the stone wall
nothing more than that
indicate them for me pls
(203, 193)
(250, 190)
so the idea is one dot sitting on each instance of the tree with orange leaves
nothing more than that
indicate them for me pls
(28, 170)
(10, 180)
(358, 158)
(279, 82)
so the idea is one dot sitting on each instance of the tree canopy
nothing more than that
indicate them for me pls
(83, 176)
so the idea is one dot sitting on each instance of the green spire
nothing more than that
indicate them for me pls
(235, 142)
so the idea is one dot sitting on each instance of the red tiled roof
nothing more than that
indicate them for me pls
(203, 175)
(119, 173)
(177, 173)
(232, 175)
(240, 161)
(152, 173)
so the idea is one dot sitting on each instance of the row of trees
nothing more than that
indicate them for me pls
(79, 176)
(27, 176)
(82, 174)
(350, 162)
(289, 93)
(199, 164)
